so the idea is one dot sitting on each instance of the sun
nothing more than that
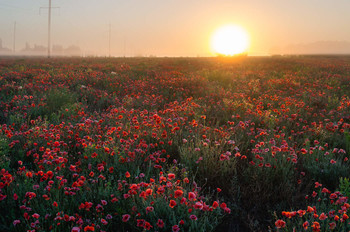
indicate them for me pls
(230, 40)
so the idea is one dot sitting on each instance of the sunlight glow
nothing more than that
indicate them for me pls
(230, 40)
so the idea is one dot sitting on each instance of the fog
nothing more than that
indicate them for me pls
(171, 28)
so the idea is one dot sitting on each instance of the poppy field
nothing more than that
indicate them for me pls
(175, 144)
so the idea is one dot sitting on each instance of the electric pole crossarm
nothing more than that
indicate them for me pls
(53, 7)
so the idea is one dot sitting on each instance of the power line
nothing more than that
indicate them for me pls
(14, 7)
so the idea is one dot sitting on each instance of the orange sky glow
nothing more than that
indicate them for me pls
(175, 28)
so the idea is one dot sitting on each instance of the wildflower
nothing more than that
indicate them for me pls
(140, 223)
(301, 212)
(215, 204)
(316, 226)
(193, 217)
(324, 190)
(149, 191)
(323, 216)
(89, 228)
(227, 210)
(345, 216)
(160, 223)
(332, 225)
(198, 205)
(171, 176)
(160, 190)
(223, 205)
(125, 217)
(149, 209)
(176, 228)
(191, 196)
(103, 221)
(280, 224)
(178, 193)
(15, 222)
(147, 226)
(172, 203)
(306, 225)
(49, 174)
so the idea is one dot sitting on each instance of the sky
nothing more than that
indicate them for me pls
(175, 27)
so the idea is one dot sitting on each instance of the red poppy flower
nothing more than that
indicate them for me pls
(280, 224)
(191, 196)
(160, 223)
(306, 225)
(89, 228)
(172, 203)
(178, 193)
(171, 176)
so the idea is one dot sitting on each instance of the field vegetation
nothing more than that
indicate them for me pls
(175, 144)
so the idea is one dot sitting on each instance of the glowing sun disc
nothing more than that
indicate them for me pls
(230, 40)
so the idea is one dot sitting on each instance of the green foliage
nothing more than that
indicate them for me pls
(203, 161)
(323, 166)
(344, 186)
(4, 154)
(58, 98)
(252, 127)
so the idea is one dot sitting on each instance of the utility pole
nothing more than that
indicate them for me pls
(109, 41)
(14, 37)
(49, 32)
(49, 29)
(124, 46)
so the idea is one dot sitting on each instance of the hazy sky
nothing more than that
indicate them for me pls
(172, 27)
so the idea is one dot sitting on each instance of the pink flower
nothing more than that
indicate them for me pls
(160, 223)
(75, 229)
(103, 221)
(104, 202)
(323, 216)
(191, 196)
(198, 205)
(125, 217)
(149, 209)
(176, 228)
(15, 222)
